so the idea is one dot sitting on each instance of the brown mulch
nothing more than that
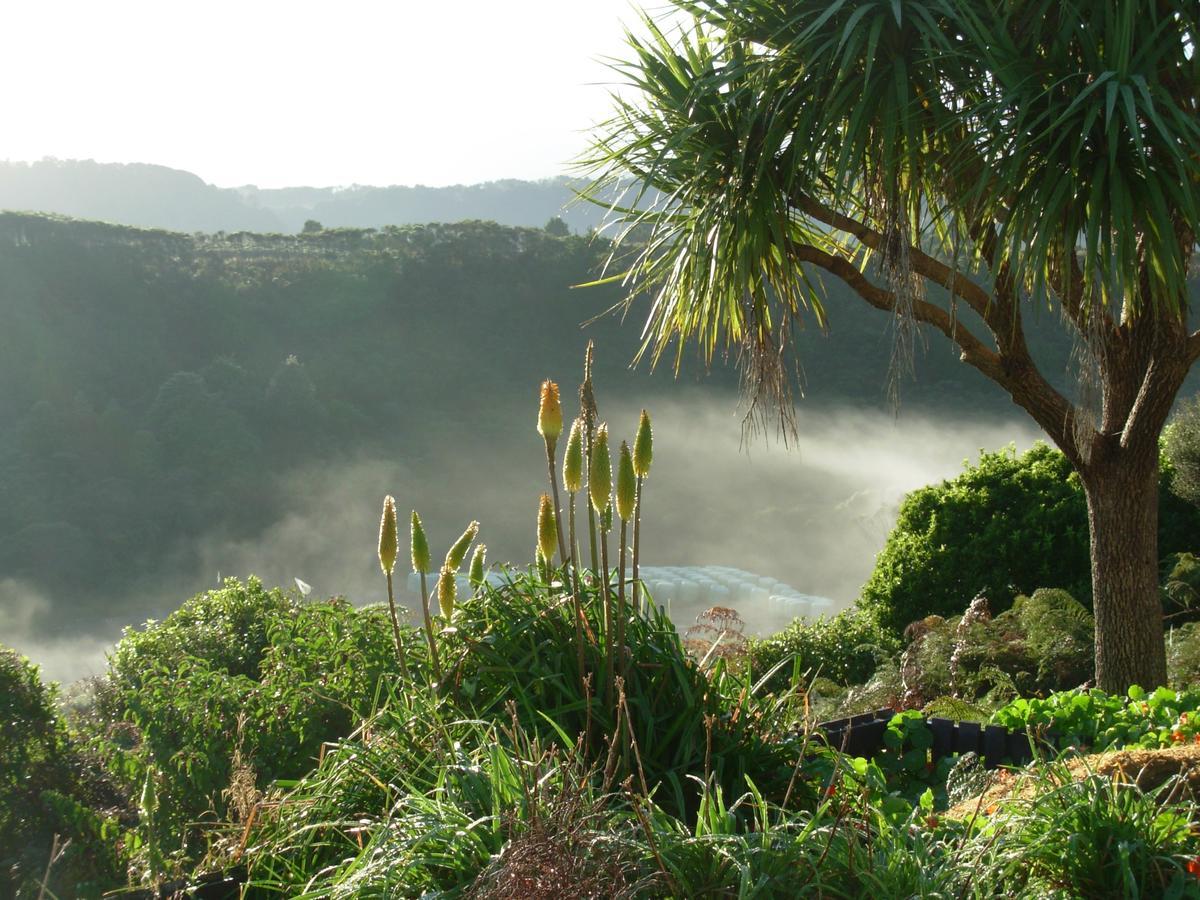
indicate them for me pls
(1146, 768)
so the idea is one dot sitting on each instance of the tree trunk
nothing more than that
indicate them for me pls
(1122, 499)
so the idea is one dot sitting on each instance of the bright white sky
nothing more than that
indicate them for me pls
(312, 92)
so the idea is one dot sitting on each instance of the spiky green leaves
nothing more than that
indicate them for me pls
(643, 447)
(458, 551)
(626, 484)
(547, 533)
(447, 591)
(550, 420)
(389, 541)
(573, 461)
(600, 471)
(420, 546)
(475, 573)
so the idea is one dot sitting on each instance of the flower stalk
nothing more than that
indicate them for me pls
(600, 493)
(550, 427)
(421, 565)
(547, 533)
(573, 482)
(626, 496)
(389, 549)
(587, 412)
(643, 456)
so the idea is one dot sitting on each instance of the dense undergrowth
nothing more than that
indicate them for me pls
(549, 734)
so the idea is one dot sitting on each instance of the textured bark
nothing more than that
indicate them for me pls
(1122, 498)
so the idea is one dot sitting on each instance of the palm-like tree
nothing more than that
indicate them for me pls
(955, 162)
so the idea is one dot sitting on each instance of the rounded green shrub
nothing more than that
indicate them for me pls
(1008, 525)
(240, 685)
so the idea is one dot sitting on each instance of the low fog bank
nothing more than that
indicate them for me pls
(813, 516)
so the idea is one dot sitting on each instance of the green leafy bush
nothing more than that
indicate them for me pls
(843, 649)
(1008, 525)
(1098, 721)
(240, 670)
(41, 794)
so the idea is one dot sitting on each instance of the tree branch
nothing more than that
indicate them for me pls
(1193, 347)
(974, 351)
(924, 264)
(1016, 374)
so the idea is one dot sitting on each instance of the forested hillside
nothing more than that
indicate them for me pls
(161, 387)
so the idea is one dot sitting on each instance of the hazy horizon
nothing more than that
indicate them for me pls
(378, 94)
(312, 185)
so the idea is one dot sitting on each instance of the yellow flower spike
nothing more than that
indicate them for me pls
(600, 471)
(458, 551)
(626, 484)
(547, 528)
(476, 570)
(389, 541)
(573, 460)
(606, 518)
(550, 420)
(447, 591)
(420, 546)
(643, 447)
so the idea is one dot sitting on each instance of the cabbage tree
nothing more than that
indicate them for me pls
(958, 164)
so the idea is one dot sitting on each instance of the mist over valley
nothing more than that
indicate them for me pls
(182, 407)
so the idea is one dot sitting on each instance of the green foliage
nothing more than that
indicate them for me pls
(1097, 837)
(453, 806)
(1181, 587)
(517, 643)
(1043, 643)
(237, 670)
(227, 628)
(1100, 721)
(844, 649)
(42, 795)
(1182, 440)
(32, 747)
(1008, 525)
(1183, 655)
